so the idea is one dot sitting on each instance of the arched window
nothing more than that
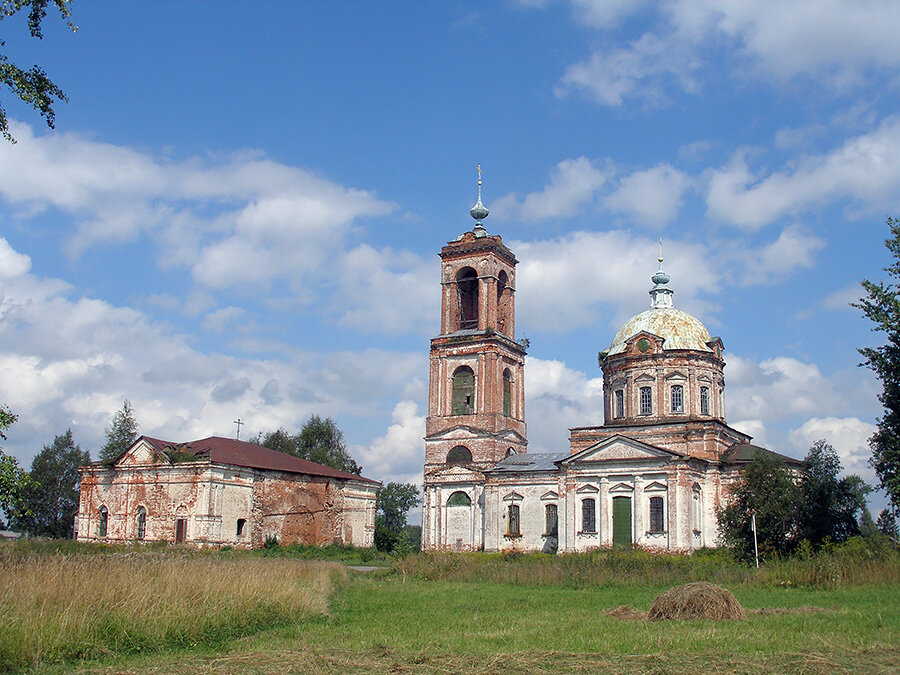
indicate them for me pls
(510, 452)
(459, 455)
(241, 525)
(502, 302)
(513, 529)
(141, 519)
(467, 292)
(696, 510)
(507, 393)
(459, 498)
(677, 398)
(704, 400)
(646, 401)
(656, 514)
(551, 520)
(463, 402)
(620, 403)
(588, 515)
(103, 523)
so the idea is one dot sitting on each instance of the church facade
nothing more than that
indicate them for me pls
(652, 475)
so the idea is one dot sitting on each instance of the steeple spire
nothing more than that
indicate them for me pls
(660, 294)
(479, 212)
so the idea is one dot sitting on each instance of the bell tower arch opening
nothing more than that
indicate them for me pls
(467, 298)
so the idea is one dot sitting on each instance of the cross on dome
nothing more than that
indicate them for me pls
(479, 212)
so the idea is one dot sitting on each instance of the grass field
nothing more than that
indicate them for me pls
(416, 618)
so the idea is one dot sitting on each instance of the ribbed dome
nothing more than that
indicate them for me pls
(680, 330)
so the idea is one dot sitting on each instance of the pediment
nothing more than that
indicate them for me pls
(644, 377)
(141, 453)
(464, 432)
(620, 448)
(622, 487)
(457, 474)
(513, 497)
(587, 489)
(550, 495)
(655, 486)
(676, 375)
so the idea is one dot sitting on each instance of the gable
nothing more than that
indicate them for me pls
(463, 432)
(457, 474)
(142, 452)
(550, 495)
(619, 449)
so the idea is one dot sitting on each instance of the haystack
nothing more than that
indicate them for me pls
(699, 600)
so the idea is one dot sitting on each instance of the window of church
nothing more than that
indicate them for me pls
(677, 398)
(103, 523)
(141, 522)
(646, 401)
(241, 524)
(620, 403)
(507, 393)
(512, 529)
(551, 520)
(459, 498)
(656, 514)
(467, 293)
(704, 400)
(696, 512)
(463, 402)
(502, 301)
(459, 455)
(588, 515)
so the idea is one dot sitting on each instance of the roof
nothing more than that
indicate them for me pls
(528, 462)
(742, 453)
(240, 453)
(679, 329)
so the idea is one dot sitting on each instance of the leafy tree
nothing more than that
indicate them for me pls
(319, 440)
(766, 490)
(52, 499)
(13, 481)
(31, 86)
(121, 433)
(881, 305)
(887, 524)
(392, 504)
(830, 506)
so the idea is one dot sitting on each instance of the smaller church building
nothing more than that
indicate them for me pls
(221, 491)
(653, 474)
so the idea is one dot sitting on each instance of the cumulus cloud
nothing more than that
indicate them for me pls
(865, 168)
(574, 184)
(794, 249)
(398, 455)
(652, 197)
(12, 263)
(848, 435)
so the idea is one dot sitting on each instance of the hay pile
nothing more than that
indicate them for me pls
(699, 600)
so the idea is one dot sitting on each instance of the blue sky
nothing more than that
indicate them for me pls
(239, 212)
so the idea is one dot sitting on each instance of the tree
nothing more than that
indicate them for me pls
(766, 490)
(887, 524)
(121, 434)
(31, 86)
(881, 305)
(393, 502)
(830, 506)
(319, 440)
(52, 499)
(13, 481)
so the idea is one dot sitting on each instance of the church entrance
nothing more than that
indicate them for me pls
(180, 530)
(621, 522)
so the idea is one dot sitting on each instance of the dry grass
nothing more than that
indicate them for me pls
(65, 607)
(699, 600)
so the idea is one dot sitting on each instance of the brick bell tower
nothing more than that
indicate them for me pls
(476, 399)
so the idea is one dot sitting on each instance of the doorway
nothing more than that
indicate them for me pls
(622, 522)
(180, 530)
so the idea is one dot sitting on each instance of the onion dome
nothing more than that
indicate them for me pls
(479, 212)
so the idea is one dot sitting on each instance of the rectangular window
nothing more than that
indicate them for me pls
(646, 401)
(588, 515)
(656, 514)
(551, 518)
(704, 400)
(620, 403)
(512, 529)
(677, 398)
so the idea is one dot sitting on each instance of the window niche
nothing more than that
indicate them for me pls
(141, 522)
(657, 515)
(459, 498)
(677, 401)
(459, 455)
(241, 526)
(551, 520)
(513, 526)
(589, 515)
(704, 400)
(620, 403)
(646, 401)
(507, 393)
(463, 398)
(103, 522)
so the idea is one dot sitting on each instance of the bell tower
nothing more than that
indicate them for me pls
(476, 400)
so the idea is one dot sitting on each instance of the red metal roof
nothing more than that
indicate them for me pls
(240, 453)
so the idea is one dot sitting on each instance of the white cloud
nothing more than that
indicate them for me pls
(865, 168)
(794, 249)
(841, 298)
(220, 319)
(652, 197)
(848, 435)
(12, 263)
(574, 184)
(399, 454)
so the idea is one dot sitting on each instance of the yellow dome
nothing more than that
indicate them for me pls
(680, 330)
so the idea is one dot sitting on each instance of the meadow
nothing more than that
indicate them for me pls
(177, 611)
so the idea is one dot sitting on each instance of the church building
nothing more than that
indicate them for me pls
(652, 475)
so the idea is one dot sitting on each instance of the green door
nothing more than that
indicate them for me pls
(622, 522)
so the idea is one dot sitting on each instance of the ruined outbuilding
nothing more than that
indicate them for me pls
(652, 475)
(221, 491)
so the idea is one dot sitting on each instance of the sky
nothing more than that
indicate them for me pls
(239, 212)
